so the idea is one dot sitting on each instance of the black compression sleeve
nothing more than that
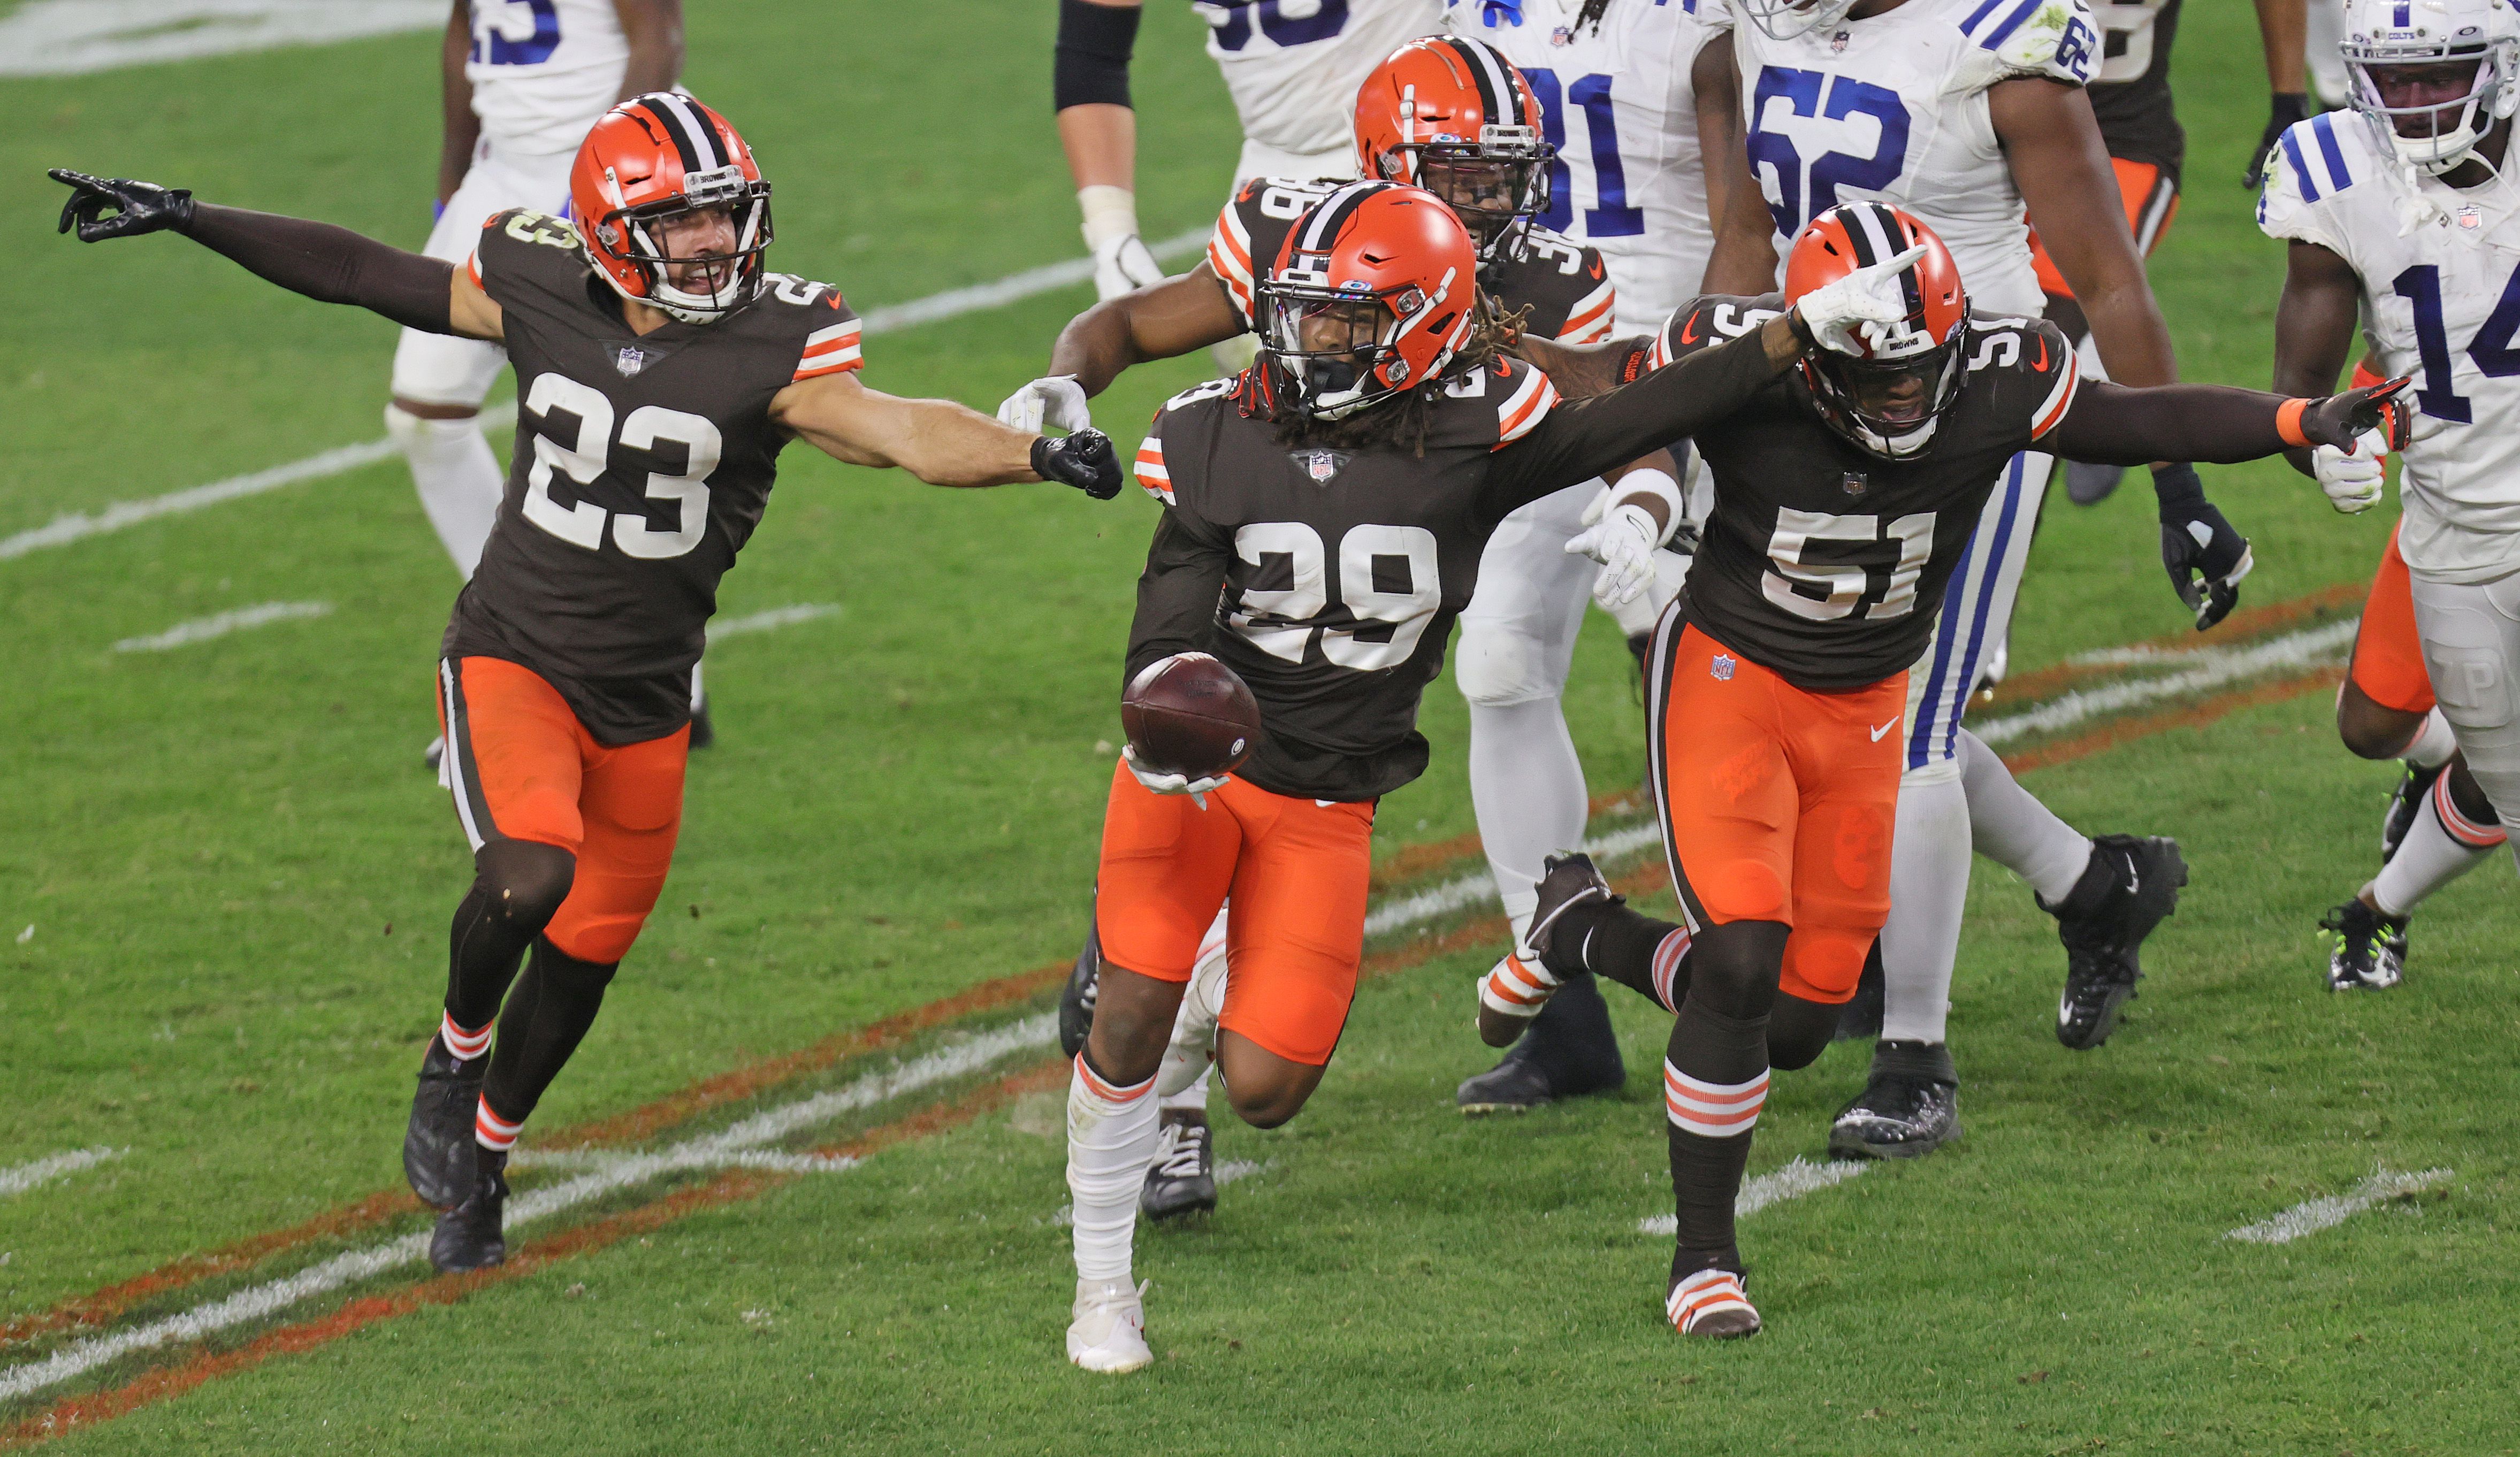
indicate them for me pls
(331, 265)
(1176, 596)
(1092, 65)
(2113, 425)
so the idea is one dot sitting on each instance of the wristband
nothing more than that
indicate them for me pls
(2288, 422)
(1638, 358)
(1802, 331)
(2176, 486)
(1650, 482)
(1109, 212)
(1090, 64)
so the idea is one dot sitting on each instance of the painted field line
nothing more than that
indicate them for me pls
(1014, 287)
(2312, 1215)
(771, 620)
(219, 625)
(1478, 888)
(2245, 626)
(1231, 1171)
(1793, 1182)
(17, 1179)
(2215, 668)
(77, 37)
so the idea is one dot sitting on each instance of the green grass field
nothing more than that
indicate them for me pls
(237, 878)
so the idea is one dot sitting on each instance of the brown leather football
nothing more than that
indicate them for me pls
(1190, 715)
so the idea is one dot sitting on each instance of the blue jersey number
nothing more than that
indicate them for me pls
(1610, 216)
(1806, 189)
(1326, 20)
(2490, 351)
(491, 44)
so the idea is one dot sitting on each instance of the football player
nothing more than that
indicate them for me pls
(1962, 111)
(1778, 679)
(1628, 92)
(1450, 114)
(662, 368)
(1293, 69)
(2404, 222)
(1324, 517)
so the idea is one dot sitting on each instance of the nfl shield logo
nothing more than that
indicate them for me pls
(1561, 36)
(630, 361)
(2468, 219)
(1722, 667)
(1320, 464)
(1837, 43)
(1854, 482)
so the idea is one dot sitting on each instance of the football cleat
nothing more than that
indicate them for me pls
(1566, 881)
(703, 731)
(2366, 951)
(1182, 1181)
(2405, 804)
(2104, 941)
(1510, 995)
(2087, 484)
(1860, 1017)
(438, 1146)
(1107, 1330)
(1076, 999)
(1713, 1305)
(1515, 1086)
(470, 1236)
(1570, 1050)
(1910, 1107)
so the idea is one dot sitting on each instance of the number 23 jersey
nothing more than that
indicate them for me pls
(643, 464)
(1827, 564)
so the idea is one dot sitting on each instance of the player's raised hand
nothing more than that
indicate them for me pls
(103, 207)
(2205, 558)
(1623, 542)
(1160, 781)
(1084, 459)
(2342, 420)
(1844, 313)
(1123, 265)
(1055, 400)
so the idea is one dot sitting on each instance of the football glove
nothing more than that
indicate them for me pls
(1055, 400)
(1623, 542)
(1084, 459)
(1123, 265)
(1833, 313)
(137, 208)
(2351, 478)
(2205, 558)
(2342, 420)
(2283, 109)
(1171, 784)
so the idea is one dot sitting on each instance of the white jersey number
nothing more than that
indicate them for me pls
(1287, 22)
(583, 461)
(1387, 581)
(1842, 585)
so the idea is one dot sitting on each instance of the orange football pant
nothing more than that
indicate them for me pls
(1296, 869)
(1777, 804)
(523, 767)
(2150, 201)
(2388, 655)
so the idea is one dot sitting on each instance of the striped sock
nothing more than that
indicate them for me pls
(2441, 846)
(465, 1045)
(1670, 972)
(1517, 988)
(492, 1131)
(1703, 1294)
(1711, 1110)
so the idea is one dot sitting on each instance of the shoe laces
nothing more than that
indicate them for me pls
(1181, 1149)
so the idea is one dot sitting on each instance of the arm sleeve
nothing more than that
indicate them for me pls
(329, 264)
(1578, 441)
(1090, 66)
(2111, 425)
(1176, 594)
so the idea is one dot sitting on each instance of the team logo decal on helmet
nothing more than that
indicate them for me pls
(2431, 78)
(1888, 400)
(1452, 115)
(1372, 293)
(656, 161)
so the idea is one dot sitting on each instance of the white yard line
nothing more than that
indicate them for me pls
(771, 620)
(76, 37)
(1478, 887)
(2314, 1215)
(1793, 1182)
(2305, 648)
(219, 625)
(17, 1179)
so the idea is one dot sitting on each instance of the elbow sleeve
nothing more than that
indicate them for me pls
(1095, 42)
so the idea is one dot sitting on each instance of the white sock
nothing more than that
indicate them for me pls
(1929, 870)
(1190, 1058)
(2432, 855)
(1111, 1143)
(2013, 829)
(2433, 745)
(459, 479)
(1527, 789)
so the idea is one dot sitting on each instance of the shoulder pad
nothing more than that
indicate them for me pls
(2051, 38)
(2318, 158)
(803, 292)
(525, 224)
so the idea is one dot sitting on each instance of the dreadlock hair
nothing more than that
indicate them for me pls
(1591, 15)
(1402, 419)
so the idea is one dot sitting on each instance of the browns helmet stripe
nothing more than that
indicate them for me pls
(1874, 231)
(1496, 92)
(1322, 225)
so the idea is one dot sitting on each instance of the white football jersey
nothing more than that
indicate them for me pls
(1293, 67)
(2442, 303)
(1619, 108)
(1893, 109)
(543, 70)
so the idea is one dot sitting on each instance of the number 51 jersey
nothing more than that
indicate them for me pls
(641, 466)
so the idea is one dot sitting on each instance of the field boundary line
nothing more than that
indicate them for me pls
(2213, 669)
(220, 624)
(2312, 1216)
(17, 1179)
(1799, 1177)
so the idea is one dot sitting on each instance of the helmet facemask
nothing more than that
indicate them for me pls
(1496, 186)
(1786, 20)
(1887, 405)
(1338, 344)
(638, 235)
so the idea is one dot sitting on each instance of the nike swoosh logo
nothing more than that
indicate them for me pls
(1884, 729)
(2042, 365)
(1689, 330)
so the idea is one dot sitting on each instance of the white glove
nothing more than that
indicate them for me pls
(1056, 400)
(1867, 299)
(2353, 483)
(1163, 784)
(1623, 542)
(1122, 265)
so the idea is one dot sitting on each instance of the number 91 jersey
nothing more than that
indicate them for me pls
(1893, 109)
(2441, 301)
(642, 464)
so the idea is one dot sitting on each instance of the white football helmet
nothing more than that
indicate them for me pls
(2388, 35)
(1784, 19)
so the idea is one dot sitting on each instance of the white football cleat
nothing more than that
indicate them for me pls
(1109, 1331)
(1711, 1304)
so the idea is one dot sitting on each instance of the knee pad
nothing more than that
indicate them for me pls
(524, 881)
(1732, 967)
(443, 370)
(421, 438)
(1799, 1031)
(1497, 667)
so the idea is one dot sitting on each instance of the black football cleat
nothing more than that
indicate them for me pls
(1863, 1013)
(2366, 951)
(470, 1236)
(2130, 887)
(2406, 802)
(1076, 999)
(1515, 1086)
(1566, 881)
(1183, 1179)
(1569, 1050)
(438, 1146)
(703, 733)
(1909, 1108)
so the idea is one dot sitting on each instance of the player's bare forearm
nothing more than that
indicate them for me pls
(655, 30)
(1744, 258)
(939, 441)
(2123, 425)
(1715, 86)
(1172, 318)
(2057, 161)
(1582, 371)
(462, 128)
(2315, 323)
(2282, 24)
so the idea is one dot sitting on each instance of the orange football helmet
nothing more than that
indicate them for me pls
(1452, 115)
(658, 157)
(1373, 292)
(1888, 400)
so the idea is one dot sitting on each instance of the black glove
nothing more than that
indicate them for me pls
(1084, 459)
(2341, 419)
(137, 207)
(2205, 558)
(2283, 109)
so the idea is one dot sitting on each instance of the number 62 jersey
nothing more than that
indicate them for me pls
(641, 466)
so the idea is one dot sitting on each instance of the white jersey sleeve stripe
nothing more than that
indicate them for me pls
(1590, 320)
(2060, 399)
(1152, 475)
(835, 335)
(1525, 409)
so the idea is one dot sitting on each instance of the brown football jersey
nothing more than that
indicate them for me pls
(643, 462)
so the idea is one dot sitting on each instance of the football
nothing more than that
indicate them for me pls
(1190, 715)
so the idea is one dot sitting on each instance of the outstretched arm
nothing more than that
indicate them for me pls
(1583, 370)
(2114, 423)
(938, 441)
(1163, 320)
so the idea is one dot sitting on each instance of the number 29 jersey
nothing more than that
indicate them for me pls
(2441, 300)
(1825, 564)
(1893, 108)
(641, 466)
